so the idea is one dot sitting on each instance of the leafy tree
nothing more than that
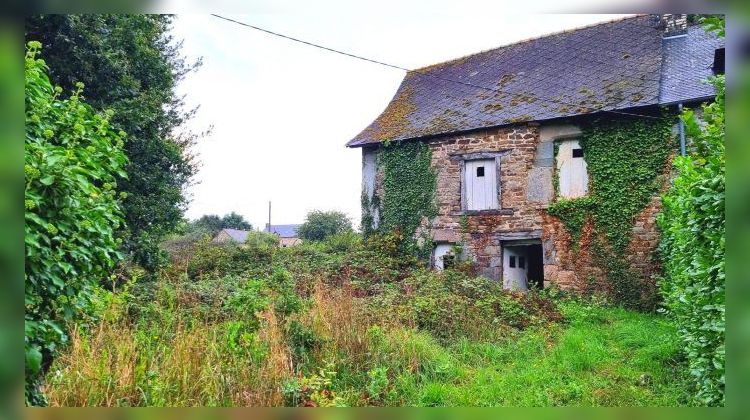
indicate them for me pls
(209, 223)
(235, 221)
(73, 159)
(130, 64)
(322, 224)
(693, 244)
(212, 224)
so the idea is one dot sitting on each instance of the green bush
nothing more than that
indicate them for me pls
(319, 225)
(72, 158)
(253, 258)
(693, 246)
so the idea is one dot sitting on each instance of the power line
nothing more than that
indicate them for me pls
(417, 71)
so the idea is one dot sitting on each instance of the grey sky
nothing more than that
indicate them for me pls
(282, 111)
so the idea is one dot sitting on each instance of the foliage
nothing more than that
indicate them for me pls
(130, 64)
(361, 325)
(211, 224)
(693, 245)
(314, 390)
(409, 183)
(573, 213)
(625, 158)
(72, 159)
(342, 242)
(320, 224)
(262, 241)
(209, 259)
(369, 206)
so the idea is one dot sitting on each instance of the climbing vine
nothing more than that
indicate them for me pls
(625, 157)
(408, 192)
(573, 213)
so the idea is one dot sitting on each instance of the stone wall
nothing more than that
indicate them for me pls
(484, 230)
(526, 156)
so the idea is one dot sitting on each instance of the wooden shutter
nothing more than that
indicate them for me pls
(480, 177)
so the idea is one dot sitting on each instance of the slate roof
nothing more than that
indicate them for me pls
(284, 231)
(609, 66)
(236, 234)
(688, 61)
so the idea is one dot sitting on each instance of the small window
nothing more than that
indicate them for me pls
(449, 261)
(512, 262)
(577, 153)
(480, 189)
(718, 66)
(521, 262)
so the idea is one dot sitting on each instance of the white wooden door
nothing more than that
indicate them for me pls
(573, 176)
(481, 184)
(441, 251)
(515, 269)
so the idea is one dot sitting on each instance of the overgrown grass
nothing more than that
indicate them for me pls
(356, 326)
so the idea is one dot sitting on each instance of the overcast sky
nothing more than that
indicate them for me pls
(282, 111)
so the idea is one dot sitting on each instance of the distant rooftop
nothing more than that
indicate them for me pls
(284, 231)
(237, 235)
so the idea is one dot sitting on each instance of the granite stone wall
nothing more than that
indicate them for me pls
(526, 156)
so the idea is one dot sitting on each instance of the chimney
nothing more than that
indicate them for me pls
(673, 25)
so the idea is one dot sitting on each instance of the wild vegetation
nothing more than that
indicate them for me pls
(345, 322)
(320, 225)
(694, 244)
(73, 158)
(130, 65)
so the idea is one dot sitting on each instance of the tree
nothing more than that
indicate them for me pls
(235, 221)
(693, 244)
(131, 65)
(211, 224)
(72, 161)
(322, 224)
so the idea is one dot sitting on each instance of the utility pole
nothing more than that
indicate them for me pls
(269, 217)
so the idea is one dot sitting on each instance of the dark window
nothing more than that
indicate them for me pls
(449, 261)
(480, 171)
(577, 153)
(512, 262)
(718, 66)
(521, 262)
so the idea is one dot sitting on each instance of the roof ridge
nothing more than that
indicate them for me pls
(522, 41)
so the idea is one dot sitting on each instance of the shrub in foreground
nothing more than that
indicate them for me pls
(72, 159)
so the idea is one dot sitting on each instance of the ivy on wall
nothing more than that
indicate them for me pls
(409, 183)
(625, 157)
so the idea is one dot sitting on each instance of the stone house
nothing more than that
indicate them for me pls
(231, 235)
(287, 235)
(503, 127)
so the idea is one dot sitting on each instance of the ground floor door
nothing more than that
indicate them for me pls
(522, 266)
(515, 269)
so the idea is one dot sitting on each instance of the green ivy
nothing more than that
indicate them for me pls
(573, 213)
(368, 218)
(625, 157)
(409, 191)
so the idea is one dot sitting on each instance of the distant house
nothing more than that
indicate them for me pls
(287, 234)
(231, 235)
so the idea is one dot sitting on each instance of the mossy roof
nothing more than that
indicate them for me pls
(614, 65)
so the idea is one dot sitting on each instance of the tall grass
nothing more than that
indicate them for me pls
(417, 339)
